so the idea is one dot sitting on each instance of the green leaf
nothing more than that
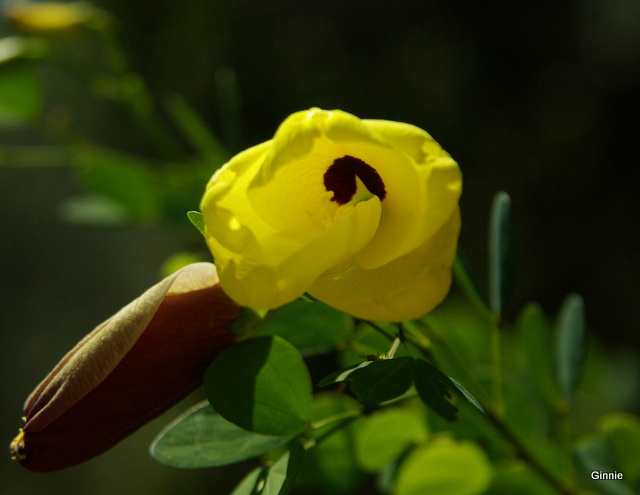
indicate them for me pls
(202, 438)
(123, 178)
(538, 339)
(312, 327)
(444, 467)
(262, 385)
(249, 484)
(464, 280)
(595, 454)
(386, 434)
(251, 321)
(467, 395)
(571, 345)
(229, 101)
(283, 473)
(93, 210)
(434, 387)
(177, 261)
(197, 219)
(330, 466)
(514, 476)
(198, 132)
(21, 94)
(623, 433)
(381, 381)
(342, 375)
(501, 253)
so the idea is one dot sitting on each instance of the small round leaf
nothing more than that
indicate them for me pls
(261, 385)
(444, 467)
(202, 438)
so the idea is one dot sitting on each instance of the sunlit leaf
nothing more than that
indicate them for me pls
(262, 385)
(330, 467)
(197, 219)
(21, 94)
(283, 473)
(444, 467)
(571, 345)
(124, 178)
(249, 484)
(385, 434)
(202, 438)
(177, 261)
(501, 253)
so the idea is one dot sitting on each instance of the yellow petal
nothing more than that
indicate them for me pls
(406, 288)
(266, 286)
(436, 187)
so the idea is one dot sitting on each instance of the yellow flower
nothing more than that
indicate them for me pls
(130, 369)
(52, 18)
(361, 214)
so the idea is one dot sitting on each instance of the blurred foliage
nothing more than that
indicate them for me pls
(540, 403)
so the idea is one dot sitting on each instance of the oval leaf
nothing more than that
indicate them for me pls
(623, 433)
(261, 385)
(124, 178)
(382, 380)
(386, 434)
(444, 467)
(202, 438)
(572, 344)
(283, 473)
(434, 387)
(312, 327)
(249, 484)
(501, 253)
(197, 219)
(538, 339)
(21, 94)
(594, 454)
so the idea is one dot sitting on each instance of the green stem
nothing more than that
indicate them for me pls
(343, 420)
(493, 411)
(497, 421)
(336, 417)
(394, 348)
(378, 328)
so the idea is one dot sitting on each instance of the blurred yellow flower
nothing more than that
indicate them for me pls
(51, 18)
(361, 214)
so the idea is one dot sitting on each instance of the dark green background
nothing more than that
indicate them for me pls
(537, 99)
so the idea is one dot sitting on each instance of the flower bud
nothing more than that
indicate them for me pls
(127, 371)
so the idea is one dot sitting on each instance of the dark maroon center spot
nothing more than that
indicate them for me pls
(341, 179)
